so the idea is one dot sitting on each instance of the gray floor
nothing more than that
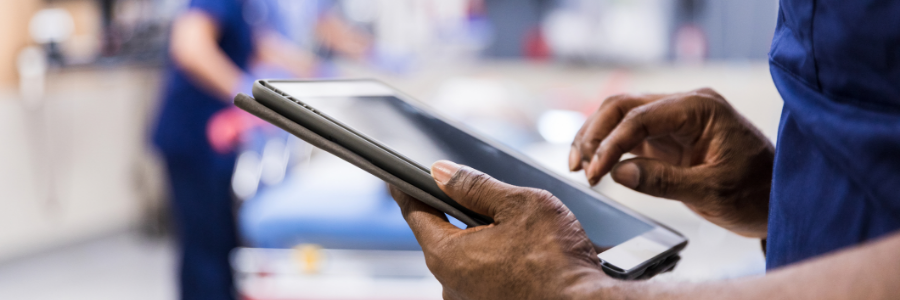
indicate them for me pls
(122, 266)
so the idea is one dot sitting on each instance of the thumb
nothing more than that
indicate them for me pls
(473, 189)
(657, 178)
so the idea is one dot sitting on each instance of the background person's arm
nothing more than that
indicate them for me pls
(273, 49)
(336, 34)
(195, 49)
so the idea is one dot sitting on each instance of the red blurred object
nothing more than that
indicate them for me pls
(536, 47)
(226, 127)
(691, 44)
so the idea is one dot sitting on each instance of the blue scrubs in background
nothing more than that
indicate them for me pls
(836, 183)
(200, 178)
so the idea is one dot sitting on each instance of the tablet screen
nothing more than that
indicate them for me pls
(373, 110)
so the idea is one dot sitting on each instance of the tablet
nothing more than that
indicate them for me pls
(401, 136)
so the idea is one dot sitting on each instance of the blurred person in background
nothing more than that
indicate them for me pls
(824, 202)
(218, 48)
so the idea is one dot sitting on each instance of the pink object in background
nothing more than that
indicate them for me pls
(690, 44)
(226, 128)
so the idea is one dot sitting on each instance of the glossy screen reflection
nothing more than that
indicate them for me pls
(425, 139)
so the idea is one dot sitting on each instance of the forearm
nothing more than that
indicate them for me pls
(337, 35)
(869, 271)
(195, 50)
(273, 49)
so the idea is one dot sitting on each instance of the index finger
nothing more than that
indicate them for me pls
(601, 123)
(429, 225)
(651, 120)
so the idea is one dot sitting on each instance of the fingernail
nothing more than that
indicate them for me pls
(574, 159)
(443, 170)
(627, 174)
(592, 170)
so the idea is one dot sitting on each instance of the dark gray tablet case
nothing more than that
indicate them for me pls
(250, 105)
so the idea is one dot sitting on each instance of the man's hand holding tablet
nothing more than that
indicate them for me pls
(535, 247)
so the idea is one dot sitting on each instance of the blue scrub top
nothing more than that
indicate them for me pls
(187, 107)
(836, 181)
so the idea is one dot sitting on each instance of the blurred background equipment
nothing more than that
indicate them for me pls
(51, 27)
(84, 200)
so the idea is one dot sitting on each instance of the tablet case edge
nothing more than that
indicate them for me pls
(250, 105)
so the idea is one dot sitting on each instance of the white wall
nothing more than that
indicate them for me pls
(68, 170)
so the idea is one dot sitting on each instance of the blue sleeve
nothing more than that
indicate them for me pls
(223, 11)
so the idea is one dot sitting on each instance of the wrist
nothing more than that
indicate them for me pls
(621, 289)
(244, 85)
(613, 289)
(599, 286)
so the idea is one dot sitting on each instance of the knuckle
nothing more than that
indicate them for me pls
(589, 145)
(611, 147)
(476, 185)
(635, 118)
(616, 105)
(706, 90)
(616, 99)
(581, 139)
(540, 195)
(466, 179)
(636, 114)
(544, 201)
(710, 94)
(519, 199)
(689, 112)
(663, 183)
(708, 97)
(660, 184)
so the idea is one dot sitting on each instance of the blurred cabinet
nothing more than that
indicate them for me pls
(71, 169)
